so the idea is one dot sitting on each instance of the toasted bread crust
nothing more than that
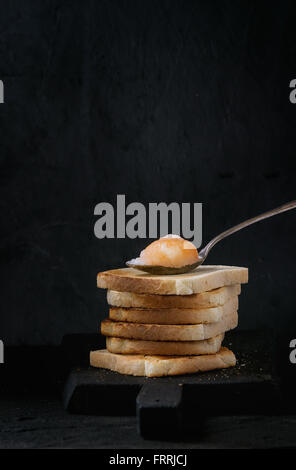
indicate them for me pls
(203, 279)
(173, 316)
(156, 332)
(158, 366)
(212, 298)
(164, 348)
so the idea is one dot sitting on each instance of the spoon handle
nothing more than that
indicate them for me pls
(285, 207)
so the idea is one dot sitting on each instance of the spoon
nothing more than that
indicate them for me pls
(202, 255)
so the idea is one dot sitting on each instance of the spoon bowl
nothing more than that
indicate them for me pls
(164, 270)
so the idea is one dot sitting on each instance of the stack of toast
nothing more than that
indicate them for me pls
(169, 325)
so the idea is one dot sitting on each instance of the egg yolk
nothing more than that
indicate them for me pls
(169, 252)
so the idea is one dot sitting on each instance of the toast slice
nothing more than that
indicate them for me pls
(156, 332)
(202, 279)
(174, 316)
(212, 298)
(159, 366)
(164, 348)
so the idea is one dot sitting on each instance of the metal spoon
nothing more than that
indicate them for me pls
(202, 255)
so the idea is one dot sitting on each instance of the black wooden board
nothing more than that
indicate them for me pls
(167, 403)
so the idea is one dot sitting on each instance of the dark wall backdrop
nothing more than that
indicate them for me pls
(161, 100)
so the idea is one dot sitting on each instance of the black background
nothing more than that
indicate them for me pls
(183, 101)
